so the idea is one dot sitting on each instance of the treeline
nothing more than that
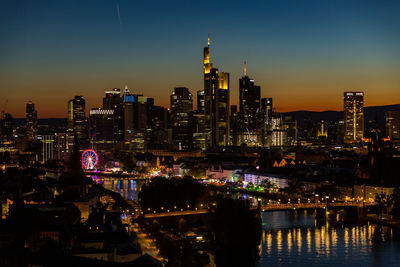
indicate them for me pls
(170, 193)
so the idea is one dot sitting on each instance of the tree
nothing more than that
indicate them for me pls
(294, 185)
(196, 172)
(382, 202)
(128, 163)
(395, 203)
(237, 231)
(267, 184)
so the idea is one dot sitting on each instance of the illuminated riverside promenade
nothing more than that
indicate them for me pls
(303, 206)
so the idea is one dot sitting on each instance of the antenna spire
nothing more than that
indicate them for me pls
(245, 73)
(208, 38)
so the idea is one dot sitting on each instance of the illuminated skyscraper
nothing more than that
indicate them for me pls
(216, 102)
(266, 113)
(393, 125)
(31, 122)
(181, 109)
(112, 100)
(101, 123)
(77, 124)
(249, 102)
(266, 108)
(200, 101)
(47, 147)
(7, 128)
(353, 116)
(135, 121)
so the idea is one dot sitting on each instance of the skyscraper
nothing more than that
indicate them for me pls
(266, 108)
(77, 124)
(181, 109)
(216, 102)
(200, 101)
(112, 100)
(48, 147)
(393, 125)
(353, 116)
(101, 123)
(249, 102)
(7, 128)
(31, 122)
(157, 128)
(266, 113)
(135, 121)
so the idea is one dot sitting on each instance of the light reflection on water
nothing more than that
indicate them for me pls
(126, 187)
(291, 238)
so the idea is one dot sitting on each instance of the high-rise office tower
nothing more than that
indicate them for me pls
(157, 129)
(234, 125)
(216, 102)
(129, 101)
(266, 113)
(48, 148)
(278, 137)
(393, 125)
(181, 109)
(112, 100)
(266, 109)
(31, 122)
(135, 121)
(77, 124)
(353, 116)
(290, 126)
(198, 123)
(101, 123)
(249, 102)
(62, 147)
(7, 128)
(199, 133)
(200, 101)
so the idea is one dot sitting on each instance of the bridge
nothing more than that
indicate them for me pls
(174, 213)
(264, 208)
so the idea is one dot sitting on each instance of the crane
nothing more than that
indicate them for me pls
(4, 108)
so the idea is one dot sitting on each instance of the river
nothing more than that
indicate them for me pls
(292, 238)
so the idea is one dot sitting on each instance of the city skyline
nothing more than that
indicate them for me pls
(302, 55)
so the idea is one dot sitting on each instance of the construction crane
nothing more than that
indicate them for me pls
(4, 108)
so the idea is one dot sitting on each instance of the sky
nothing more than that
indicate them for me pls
(304, 54)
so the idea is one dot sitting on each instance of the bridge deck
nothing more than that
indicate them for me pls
(264, 208)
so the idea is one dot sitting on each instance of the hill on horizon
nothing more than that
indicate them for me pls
(370, 115)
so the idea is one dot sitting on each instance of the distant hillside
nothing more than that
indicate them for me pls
(371, 113)
(56, 123)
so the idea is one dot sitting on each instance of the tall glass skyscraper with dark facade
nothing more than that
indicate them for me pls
(181, 110)
(77, 124)
(31, 122)
(353, 116)
(216, 102)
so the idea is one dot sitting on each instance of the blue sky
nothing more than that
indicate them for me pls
(303, 53)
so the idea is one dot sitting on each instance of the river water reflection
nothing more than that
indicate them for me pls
(291, 238)
(126, 187)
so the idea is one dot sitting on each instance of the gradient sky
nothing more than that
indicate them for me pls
(304, 54)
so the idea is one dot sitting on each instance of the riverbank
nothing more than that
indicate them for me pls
(265, 195)
(391, 222)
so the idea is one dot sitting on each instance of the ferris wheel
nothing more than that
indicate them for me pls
(89, 159)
